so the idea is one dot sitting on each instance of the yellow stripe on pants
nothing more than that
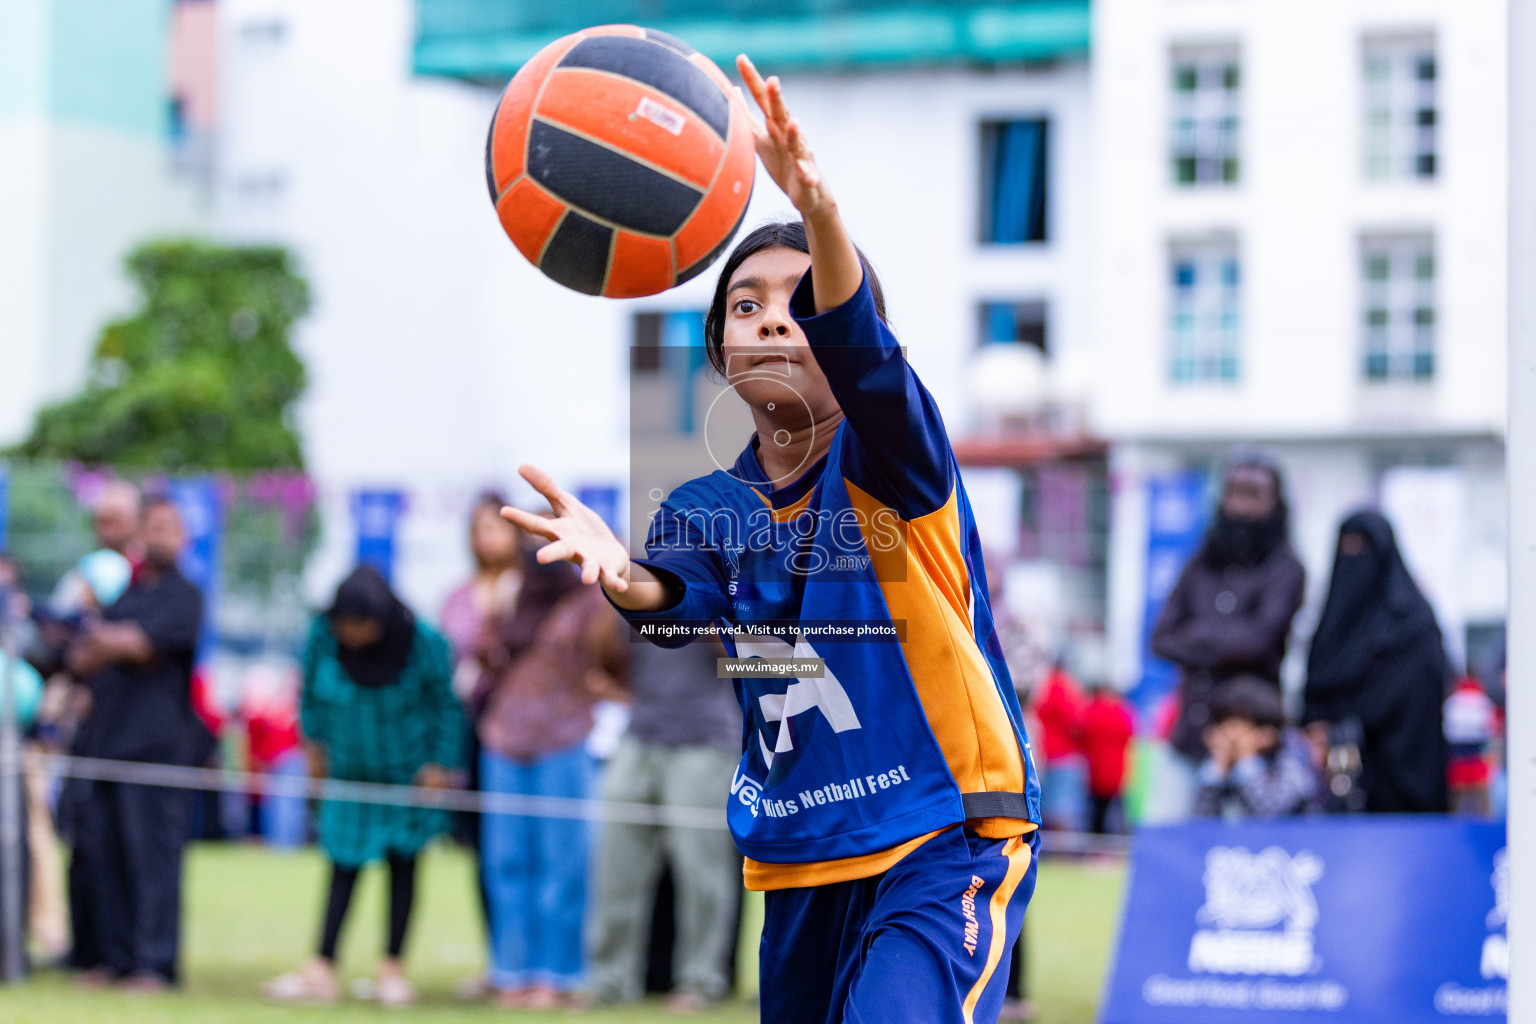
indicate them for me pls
(1018, 853)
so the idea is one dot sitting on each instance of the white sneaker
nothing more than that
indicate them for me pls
(396, 991)
(302, 986)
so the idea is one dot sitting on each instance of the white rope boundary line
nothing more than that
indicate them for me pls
(516, 804)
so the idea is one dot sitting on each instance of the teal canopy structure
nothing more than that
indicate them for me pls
(491, 39)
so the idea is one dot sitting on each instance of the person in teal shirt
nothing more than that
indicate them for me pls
(377, 706)
(28, 693)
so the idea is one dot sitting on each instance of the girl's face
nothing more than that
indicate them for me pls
(492, 539)
(768, 360)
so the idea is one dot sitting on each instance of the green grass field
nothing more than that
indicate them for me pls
(252, 913)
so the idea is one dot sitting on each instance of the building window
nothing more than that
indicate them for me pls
(1401, 112)
(1398, 308)
(1207, 90)
(1012, 323)
(1205, 323)
(1013, 181)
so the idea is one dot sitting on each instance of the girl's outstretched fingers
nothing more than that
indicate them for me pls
(537, 525)
(546, 486)
(555, 551)
(755, 84)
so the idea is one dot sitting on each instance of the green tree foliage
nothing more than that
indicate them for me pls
(201, 377)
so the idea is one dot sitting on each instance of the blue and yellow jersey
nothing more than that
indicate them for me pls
(869, 561)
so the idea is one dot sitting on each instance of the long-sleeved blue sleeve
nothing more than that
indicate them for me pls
(681, 552)
(900, 450)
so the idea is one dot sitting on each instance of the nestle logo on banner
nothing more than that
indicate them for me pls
(1452, 999)
(1260, 914)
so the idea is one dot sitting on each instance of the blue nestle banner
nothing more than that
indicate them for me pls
(1176, 518)
(604, 500)
(202, 516)
(1356, 920)
(377, 516)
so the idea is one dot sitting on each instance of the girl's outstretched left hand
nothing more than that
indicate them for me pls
(782, 147)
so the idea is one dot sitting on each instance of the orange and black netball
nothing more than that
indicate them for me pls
(618, 163)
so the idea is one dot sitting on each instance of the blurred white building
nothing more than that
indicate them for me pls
(354, 132)
(1280, 224)
(1300, 244)
(104, 111)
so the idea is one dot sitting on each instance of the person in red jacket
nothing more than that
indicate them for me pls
(1058, 706)
(273, 745)
(1471, 725)
(1106, 732)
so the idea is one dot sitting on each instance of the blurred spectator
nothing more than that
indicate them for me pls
(10, 584)
(1023, 657)
(1058, 706)
(1107, 730)
(1471, 724)
(138, 664)
(1377, 663)
(270, 710)
(487, 596)
(97, 580)
(208, 820)
(490, 593)
(560, 651)
(377, 706)
(1336, 759)
(16, 611)
(26, 693)
(27, 696)
(1257, 767)
(94, 582)
(1229, 615)
(116, 521)
(101, 575)
(680, 751)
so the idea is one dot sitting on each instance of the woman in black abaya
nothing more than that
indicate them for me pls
(1378, 658)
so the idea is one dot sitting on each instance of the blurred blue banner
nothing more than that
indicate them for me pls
(202, 514)
(376, 515)
(1345, 919)
(604, 500)
(1176, 518)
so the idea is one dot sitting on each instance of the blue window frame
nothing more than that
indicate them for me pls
(1014, 181)
(1013, 323)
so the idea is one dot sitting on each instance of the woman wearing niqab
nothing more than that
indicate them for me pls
(1378, 657)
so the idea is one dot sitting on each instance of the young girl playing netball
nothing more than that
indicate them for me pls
(885, 798)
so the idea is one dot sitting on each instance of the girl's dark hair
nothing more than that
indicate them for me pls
(789, 235)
